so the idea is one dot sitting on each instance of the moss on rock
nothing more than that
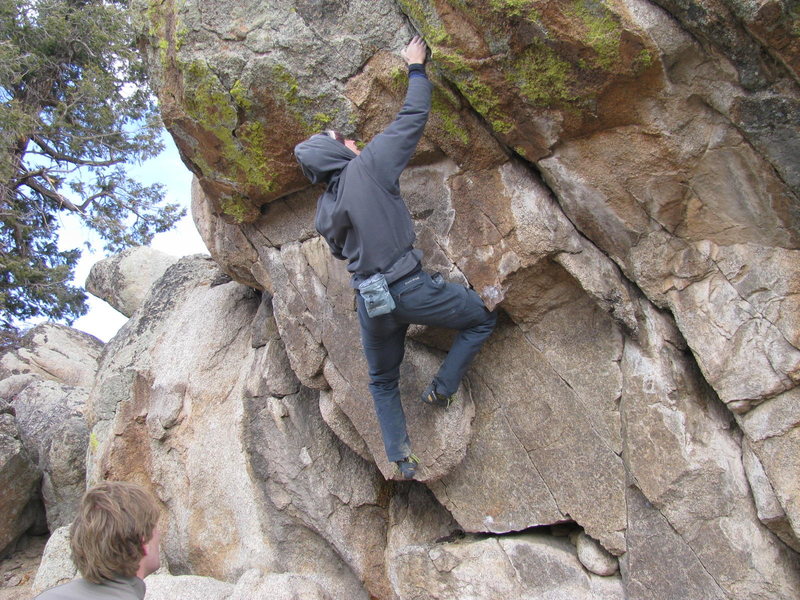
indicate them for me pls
(480, 95)
(543, 78)
(602, 30)
(207, 101)
(242, 146)
(164, 28)
(515, 8)
(237, 207)
(424, 16)
(239, 94)
(445, 111)
(643, 60)
(299, 107)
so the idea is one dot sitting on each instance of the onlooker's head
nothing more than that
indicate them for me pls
(114, 533)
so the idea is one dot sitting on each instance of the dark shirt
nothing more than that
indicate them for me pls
(361, 213)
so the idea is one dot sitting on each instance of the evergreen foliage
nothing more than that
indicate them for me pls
(75, 111)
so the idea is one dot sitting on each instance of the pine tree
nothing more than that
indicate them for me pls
(75, 111)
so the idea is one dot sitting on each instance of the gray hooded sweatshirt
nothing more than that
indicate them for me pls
(361, 213)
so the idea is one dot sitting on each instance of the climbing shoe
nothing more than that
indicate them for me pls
(407, 467)
(431, 396)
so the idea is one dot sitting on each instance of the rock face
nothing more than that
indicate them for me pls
(57, 566)
(18, 480)
(53, 428)
(249, 475)
(124, 280)
(45, 384)
(51, 352)
(619, 178)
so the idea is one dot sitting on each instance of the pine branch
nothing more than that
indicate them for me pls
(61, 200)
(60, 157)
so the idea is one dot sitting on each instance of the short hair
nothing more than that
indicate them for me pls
(114, 520)
(336, 135)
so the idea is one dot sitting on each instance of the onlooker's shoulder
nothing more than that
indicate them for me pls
(123, 588)
(78, 588)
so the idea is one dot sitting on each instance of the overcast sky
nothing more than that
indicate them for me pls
(102, 321)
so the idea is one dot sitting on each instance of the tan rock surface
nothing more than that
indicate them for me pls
(178, 407)
(125, 279)
(55, 352)
(619, 178)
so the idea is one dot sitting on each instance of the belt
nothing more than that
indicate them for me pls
(412, 272)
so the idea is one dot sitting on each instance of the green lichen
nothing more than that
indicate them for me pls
(253, 160)
(296, 105)
(180, 37)
(237, 207)
(448, 96)
(542, 77)
(494, 16)
(242, 146)
(289, 85)
(501, 126)
(426, 18)
(485, 101)
(239, 94)
(94, 443)
(452, 61)
(155, 19)
(399, 78)
(157, 29)
(321, 121)
(480, 96)
(643, 60)
(207, 101)
(603, 31)
(443, 108)
(515, 8)
(159, 15)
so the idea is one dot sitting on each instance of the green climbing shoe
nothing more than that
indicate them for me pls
(407, 466)
(431, 396)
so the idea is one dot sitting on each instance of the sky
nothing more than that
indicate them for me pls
(102, 321)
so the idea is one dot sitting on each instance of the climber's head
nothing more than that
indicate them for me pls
(337, 135)
(324, 155)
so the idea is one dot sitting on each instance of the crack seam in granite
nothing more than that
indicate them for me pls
(754, 309)
(532, 463)
(691, 549)
(578, 397)
(745, 137)
(517, 574)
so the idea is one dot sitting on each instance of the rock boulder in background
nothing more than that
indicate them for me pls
(53, 428)
(248, 479)
(53, 352)
(56, 566)
(124, 280)
(18, 481)
(46, 383)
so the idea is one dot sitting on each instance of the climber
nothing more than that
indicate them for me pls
(114, 542)
(366, 222)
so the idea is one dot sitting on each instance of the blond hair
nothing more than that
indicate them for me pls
(114, 520)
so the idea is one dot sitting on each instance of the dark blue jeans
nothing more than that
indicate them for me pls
(424, 300)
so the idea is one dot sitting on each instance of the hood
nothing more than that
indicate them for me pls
(321, 157)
